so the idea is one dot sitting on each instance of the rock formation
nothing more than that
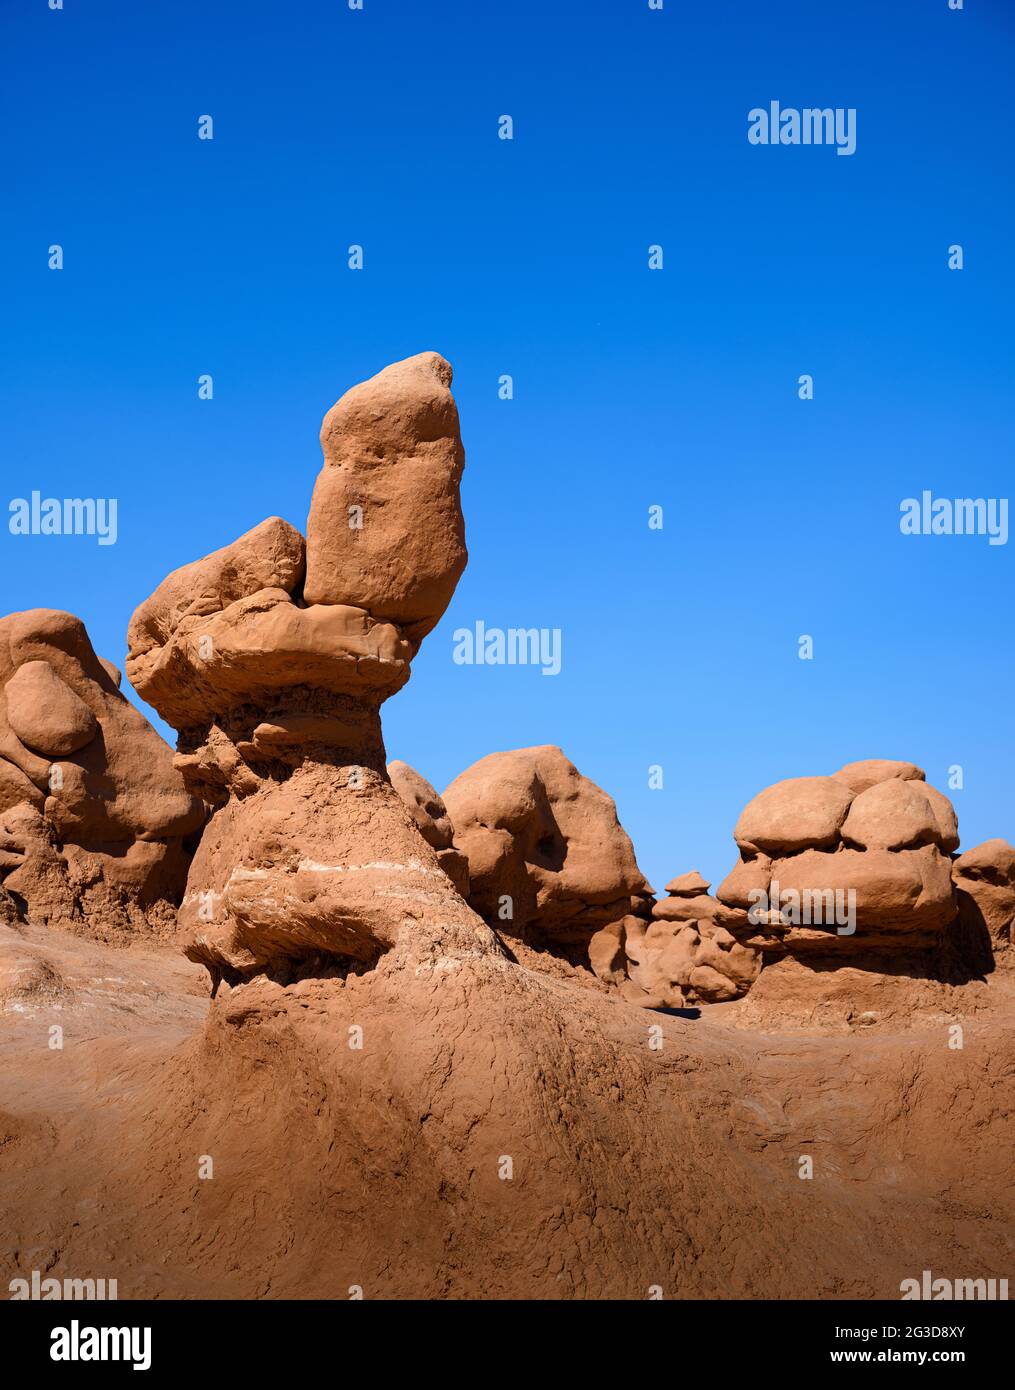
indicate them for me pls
(432, 820)
(272, 660)
(874, 835)
(549, 862)
(985, 889)
(402, 1100)
(94, 822)
(686, 955)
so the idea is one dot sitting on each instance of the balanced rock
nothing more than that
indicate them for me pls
(844, 866)
(273, 669)
(687, 955)
(386, 531)
(801, 813)
(548, 859)
(95, 824)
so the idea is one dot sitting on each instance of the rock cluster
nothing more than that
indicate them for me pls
(686, 954)
(854, 864)
(549, 861)
(95, 824)
(272, 659)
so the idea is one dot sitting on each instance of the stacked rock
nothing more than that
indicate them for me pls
(850, 865)
(94, 822)
(272, 660)
(549, 862)
(686, 955)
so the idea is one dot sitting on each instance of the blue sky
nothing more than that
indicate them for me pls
(633, 387)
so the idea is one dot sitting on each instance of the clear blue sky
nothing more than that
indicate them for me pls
(632, 387)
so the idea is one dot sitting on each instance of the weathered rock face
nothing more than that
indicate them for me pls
(273, 665)
(385, 530)
(846, 866)
(432, 820)
(985, 887)
(94, 821)
(686, 955)
(549, 861)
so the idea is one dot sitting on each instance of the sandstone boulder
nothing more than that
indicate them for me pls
(892, 815)
(985, 884)
(95, 823)
(386, 530)
(870, 771)
(801, 813)
(855, 866)
(548, 859)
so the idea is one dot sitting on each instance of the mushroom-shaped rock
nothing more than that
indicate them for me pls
(859, 874)
(800, 813)
(275, 684)
(545, 840)
(688, 885)
(386, 530)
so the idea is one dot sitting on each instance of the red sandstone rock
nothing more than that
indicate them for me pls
(985, 883)
(887, 855)
(385, 530)
(870, 771)
(801, 813)
(93, 818)
(548, 858)
(311, 854)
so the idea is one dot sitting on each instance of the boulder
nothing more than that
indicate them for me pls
(892, 815)
(801, 813)
(95, 822)
(870, 771)
(548, 859)
(386, 530)
(853, 867)
(985, 885)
